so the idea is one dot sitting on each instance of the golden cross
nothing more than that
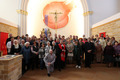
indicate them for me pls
(56, 17)
(56, 13)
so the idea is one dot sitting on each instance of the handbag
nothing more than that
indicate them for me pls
(70, 54)
(117, 59)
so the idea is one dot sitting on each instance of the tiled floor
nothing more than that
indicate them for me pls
(97, 72)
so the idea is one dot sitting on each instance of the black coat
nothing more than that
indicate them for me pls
(89, 46)
(77, 51)
(14, 50)
(8, 39)
(109, 50)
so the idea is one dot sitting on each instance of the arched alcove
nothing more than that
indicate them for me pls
(34, 22)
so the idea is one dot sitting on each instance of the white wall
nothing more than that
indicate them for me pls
(103, 9)
(112, 18)
(35, 22)
(8, 10)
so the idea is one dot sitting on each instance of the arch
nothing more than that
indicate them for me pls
(23, 4)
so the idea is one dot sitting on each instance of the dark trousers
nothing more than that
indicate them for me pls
(35, 61)
(25, 66)
(62, 64)
(55, 64)
(116, 64)
(88, 59)
(42, 64)
(58, 63)
(93, 56)
(78, 61)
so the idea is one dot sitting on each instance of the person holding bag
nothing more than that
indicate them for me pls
(70, 48)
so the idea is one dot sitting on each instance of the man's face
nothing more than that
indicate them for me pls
(23, 42)
(83, 35)
(76, 37)
(59, 36)
(73, 37)
(57, 40)
(61, 42)
(48, 44)
(96, 35)
(55, 35)
(51, 51)
(108, 43)
(10, 35)
(89, 40)
(15, 42)
(53, 43)
(12, 39)
(68, 41)
(27, 45)
(116, 43)
(101, 35)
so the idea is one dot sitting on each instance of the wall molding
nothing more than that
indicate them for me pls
(3, 21)
(8, 25)
(22, 12)
(88, 13)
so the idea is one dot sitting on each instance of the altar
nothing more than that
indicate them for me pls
(10, 67)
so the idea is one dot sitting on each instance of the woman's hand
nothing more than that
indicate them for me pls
(113, 55)
(49, 63)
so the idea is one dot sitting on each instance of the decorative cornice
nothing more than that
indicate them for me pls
(88, 13)
(106, 23)
(8, 22)
(22, 12)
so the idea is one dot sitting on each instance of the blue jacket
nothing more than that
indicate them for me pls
(26, 52)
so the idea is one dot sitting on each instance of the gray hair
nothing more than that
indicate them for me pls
(53, 42)
(50, 50)
(27, 43)
(48, 42)
(15, 40)
(22, 40)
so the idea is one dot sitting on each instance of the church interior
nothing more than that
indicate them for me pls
(60, 40)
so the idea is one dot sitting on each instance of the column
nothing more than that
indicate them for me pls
(22, 14)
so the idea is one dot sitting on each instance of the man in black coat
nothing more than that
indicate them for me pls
(89, 49)
(9, 39)
(61, 55)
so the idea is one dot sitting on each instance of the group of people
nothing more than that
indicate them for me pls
(57, 52)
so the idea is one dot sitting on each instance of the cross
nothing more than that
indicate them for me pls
(56, 17)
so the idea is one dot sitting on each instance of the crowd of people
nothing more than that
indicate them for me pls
(56, 53)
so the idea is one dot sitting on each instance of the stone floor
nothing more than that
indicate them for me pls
(97, 72)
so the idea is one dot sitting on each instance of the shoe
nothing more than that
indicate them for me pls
(48, 74)
(59, 70)
(79, 67)
(76, 66)
(41, 68)
(85, 66)
(89, 66)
